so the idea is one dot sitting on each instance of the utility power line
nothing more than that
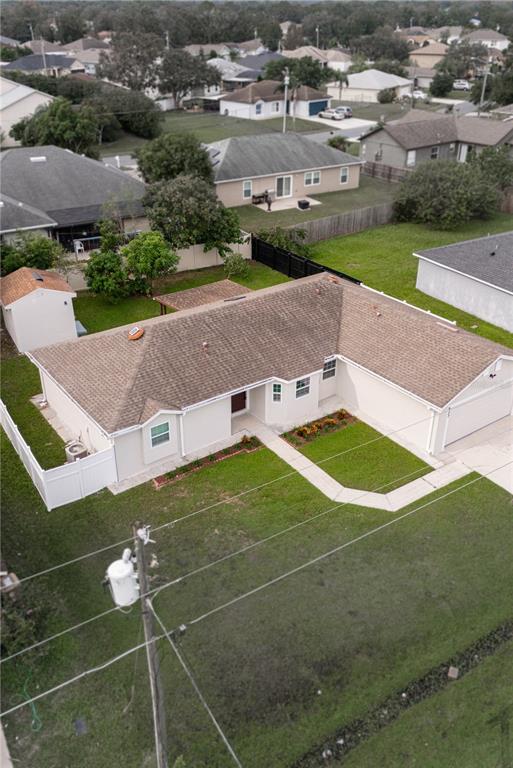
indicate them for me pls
(255, 488)
(267, 584)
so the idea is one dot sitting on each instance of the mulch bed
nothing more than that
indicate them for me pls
(308, 432)
(246, 445)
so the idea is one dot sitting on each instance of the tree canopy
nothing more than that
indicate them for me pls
(35, 251)
(383, 43)
(133, 60)
(62, 124)
(180, 72)
(148, 256)
(187, 212)
(172, 154)
(305, 71)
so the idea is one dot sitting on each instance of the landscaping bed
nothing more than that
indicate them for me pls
(307, 432)
(246, 445)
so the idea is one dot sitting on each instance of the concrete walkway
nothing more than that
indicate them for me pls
(391, 502)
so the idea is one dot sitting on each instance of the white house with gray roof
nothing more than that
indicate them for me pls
(365, 86)
(287, 355)
(286, 165)
(17, 102)
(474, 275)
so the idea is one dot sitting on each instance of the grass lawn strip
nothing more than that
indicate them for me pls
(382, 258)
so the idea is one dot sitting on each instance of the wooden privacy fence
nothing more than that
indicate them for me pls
(69, 482)
(346, 223)
(507, 201)
(386, 172)
(289, 263)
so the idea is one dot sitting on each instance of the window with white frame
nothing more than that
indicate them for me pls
(160, 434)
(312, 178)
(329, 369)
(435, 153)
(258, 108)
(344, 175)
(247, 189)
(276, 106)
(276, 393)
(302, 387)
(411, 158)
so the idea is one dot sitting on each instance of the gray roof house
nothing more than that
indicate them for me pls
(474, 275)
(49, 188)
(54, 64)
(421, 136)
(285, 165)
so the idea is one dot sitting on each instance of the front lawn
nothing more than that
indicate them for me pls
(384, 460)
(98, 314)
(370, 192)
(382, 258)
(209, 127)
(282, 669)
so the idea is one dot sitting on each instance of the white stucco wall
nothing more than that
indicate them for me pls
(484, 301)
(257, 404)
(206, 425)
(78, 423)
(40, 318)
(249, 111)
(12, 114)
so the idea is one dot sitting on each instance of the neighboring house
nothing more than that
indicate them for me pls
(338, 60)
(429, 55)
(51, 64)
(446, 34)
(421, 77)
(287, 165)
(223, 50)
(332, 58)
(10, 42)
(37, 308)
(87, 44)
(16, 102)
(475, 276)
(88, 51)
(250, 47)
(259, 61)
(365, 86)
(287, 355)
(425, 136)
(490, 38)
(45, 46)
(233, 76)
(265, 99)
(64, 194)
(504, 113)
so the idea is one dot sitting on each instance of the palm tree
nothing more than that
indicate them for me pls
(341, 80)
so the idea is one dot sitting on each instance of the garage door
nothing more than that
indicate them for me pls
(315, 107)
(475, 414)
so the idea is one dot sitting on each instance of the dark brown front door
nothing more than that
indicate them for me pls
(238, 402)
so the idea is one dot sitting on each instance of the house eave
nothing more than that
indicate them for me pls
(464, 274)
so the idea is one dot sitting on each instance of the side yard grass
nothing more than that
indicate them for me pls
(384, 461)
(281, 669)
(383, 259)
(370, 192)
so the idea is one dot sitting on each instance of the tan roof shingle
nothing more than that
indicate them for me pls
(221, 290)
(25, 280)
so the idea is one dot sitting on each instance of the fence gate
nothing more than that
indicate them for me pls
(289, 263)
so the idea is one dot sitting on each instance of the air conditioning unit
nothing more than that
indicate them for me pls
(75, 450)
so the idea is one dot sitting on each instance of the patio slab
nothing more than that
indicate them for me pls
(286, 203)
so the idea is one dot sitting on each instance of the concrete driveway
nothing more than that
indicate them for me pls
(352, 126)
(487, 450)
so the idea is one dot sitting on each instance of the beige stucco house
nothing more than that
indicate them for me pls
(428, 56)
(286, 165)
(16, 102)
(366, 86)
(37, 308)
(286, 355)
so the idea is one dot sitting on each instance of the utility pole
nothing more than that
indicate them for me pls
(157, 693)
(286, 81)
(317, 34)
(43, 53)
(483, 90)
(167, 40)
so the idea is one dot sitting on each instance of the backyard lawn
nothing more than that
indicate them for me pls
(384, 460)
(209, 127)
(382, 258)
(98, 314)
(282, 669)
(370, 192)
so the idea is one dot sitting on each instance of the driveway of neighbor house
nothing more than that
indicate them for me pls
(353, 126)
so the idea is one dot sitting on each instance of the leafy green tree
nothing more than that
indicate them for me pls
(305, 71)
(235, 265)
(133, 60)
(148, 256)
(501, 88)
(383, 43)
(187, 212)
(392, 66)
(70, 25)
(34, 251)
(270, 34)
(136, 112)
(172, 154)
(105, 275)
(462, 58)
(446, 194)
(496, 163)
(179, 73)
(442, 84)
(386, 96)
(108, 125)
(288, 239)
(294, 37)
(61, 124)
(11, 54)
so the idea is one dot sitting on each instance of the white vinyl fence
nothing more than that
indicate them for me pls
(69, 482)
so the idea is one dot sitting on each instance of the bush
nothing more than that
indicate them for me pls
(288, 239)
(446, 194)
(105, 275)
(386, 96)
(496, 163)
(441, 85)
(172, 154)
(338, 142)
(148, 256)
(235, 265)
(34, 251)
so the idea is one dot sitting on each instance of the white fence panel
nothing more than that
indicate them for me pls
(69, 482)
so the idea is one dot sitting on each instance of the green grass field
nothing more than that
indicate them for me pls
(384, 460)
(382, 258)
(370, 192)
(209, 127)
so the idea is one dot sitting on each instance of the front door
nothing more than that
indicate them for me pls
(284, 186)
(239, 402)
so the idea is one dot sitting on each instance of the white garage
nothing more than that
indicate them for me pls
(476, 413)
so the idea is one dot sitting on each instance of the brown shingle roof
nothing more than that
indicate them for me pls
(413, 134)
(285, 331)
(22, 282)
(221, 290)
(270, 90)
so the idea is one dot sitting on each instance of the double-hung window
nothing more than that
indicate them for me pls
(247, 189)
(411, 158)
(276, 106)
(276, 393)
(312, 178)
(160, 434)
(302, 387)
(435, 153)
(344, 175)
(329, 369)
(258, 108)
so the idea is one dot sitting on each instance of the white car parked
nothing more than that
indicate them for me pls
(461, 85)
(331, 114)
(418, 94)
